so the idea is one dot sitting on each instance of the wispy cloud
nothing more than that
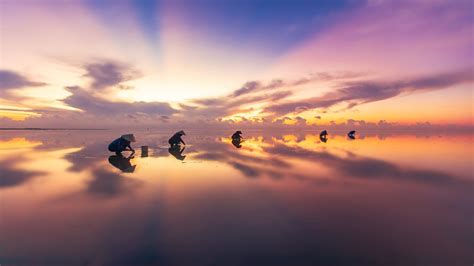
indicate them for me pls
(94, 101)
(359, 92)
(273, 98)
(109, 73)
(11, 80)
(257, 92)
(84, 100)
(257, 86)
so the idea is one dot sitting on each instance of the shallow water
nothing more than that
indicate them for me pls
(281, 199)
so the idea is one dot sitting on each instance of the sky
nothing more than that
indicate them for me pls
(146, 63)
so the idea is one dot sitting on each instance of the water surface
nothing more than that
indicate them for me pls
(282, 198)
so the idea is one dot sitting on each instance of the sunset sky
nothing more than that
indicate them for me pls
(101, 63)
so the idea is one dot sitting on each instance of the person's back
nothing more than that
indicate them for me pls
(122, 144)
(237, 135)
(118, 145)
(323, 136)
(351, 134)
(176, 138)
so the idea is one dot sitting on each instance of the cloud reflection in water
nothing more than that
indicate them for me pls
(303, 202)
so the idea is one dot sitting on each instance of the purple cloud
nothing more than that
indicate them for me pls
(84, 100)
(10, 80)
(253, 92)
(359, 92)
(257, 86)
(108, 74)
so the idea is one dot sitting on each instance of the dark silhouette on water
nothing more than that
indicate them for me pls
(176, 138)
(122, 144)
(237, 139)
(176, 151)
(144, 151)
(122, 163)
(351, 134)
(237, 135)
(323, 136)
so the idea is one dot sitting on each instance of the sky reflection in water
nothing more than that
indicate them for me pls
(279, 199)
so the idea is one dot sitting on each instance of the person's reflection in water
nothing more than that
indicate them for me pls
(237, 143)
(122, 163)
(323, 138)
(351, 134)
(176, 151)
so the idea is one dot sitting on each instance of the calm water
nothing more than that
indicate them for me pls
(280, 199)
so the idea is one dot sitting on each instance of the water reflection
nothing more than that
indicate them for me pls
(367, 168)
(122, 163)
(85, 157)
(102, 180)
(176, 151)
(280, 199)
(110, 184)
(323, 138)
(11, 174)
(237, 143)
(351, 134)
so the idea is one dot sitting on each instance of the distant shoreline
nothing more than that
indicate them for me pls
(43, 129)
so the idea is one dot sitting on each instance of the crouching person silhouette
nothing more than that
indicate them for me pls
(323, 136)
(122, 144)
(176, 139)
(237, 135)
(351, 134)
(237, 139)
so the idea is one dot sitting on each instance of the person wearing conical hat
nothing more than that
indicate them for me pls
(237, 135)
(176, 138)
(122, 144)
(324, 133)
(323, 136)
(237, 139)
(351, 134)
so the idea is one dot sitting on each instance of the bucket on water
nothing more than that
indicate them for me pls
(144, 151)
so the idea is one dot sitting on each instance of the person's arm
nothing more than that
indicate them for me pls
(130, 148)
(182, 141)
